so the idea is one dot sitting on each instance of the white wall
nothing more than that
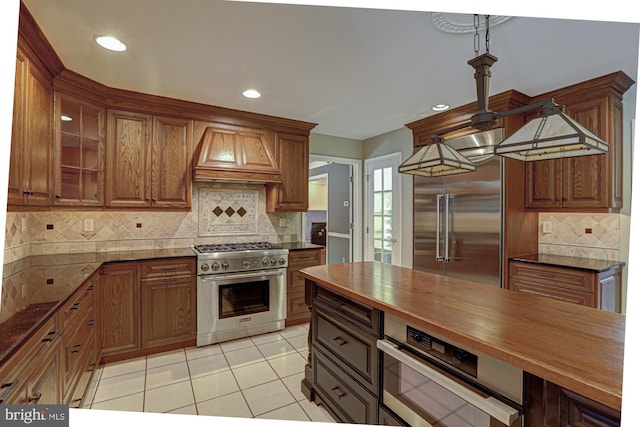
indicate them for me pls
(400, 140)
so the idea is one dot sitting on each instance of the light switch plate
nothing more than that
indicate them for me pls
(283, 222)
(547, 227)
(88, 225)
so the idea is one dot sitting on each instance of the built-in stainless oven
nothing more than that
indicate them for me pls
(429, 381)
(241, 291)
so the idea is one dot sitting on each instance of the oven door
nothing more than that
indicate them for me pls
(247, 302)
(423, 394)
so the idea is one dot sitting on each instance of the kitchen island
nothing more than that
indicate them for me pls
(579, 349)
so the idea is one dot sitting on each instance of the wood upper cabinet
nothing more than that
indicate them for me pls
(79, 160)
(171, 162)
(588, 182)
(119, 308)
(292, 195)
(148, 161)
(31, 143)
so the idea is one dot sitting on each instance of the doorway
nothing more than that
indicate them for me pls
(333, 217)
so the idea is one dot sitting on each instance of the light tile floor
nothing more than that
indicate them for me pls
(255, 377)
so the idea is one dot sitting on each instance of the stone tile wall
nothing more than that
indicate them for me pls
(568, 235)
(243, 219)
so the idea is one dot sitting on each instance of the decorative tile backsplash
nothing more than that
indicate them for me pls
(580, 234)
(243, 219)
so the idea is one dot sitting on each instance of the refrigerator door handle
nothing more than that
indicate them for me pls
(438, 256)
(447, 224)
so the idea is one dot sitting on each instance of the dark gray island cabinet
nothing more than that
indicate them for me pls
(564, 375)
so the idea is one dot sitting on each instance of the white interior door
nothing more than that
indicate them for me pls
(382, 219)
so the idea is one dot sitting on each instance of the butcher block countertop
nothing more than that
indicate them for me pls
(578, 348)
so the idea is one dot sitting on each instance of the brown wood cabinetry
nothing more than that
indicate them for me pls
(79, 154)
(343, 370)
(552, 405)
(148, 161)
(168, 302)
(292, 195)
(147, 307)
(588, 182)
(34, 373)
(79, 318)
(297, 309)
(120, 308)
(590, 288)
(31, 139)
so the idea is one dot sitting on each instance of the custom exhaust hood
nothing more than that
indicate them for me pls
(233, 154)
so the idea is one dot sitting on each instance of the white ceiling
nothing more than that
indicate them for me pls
(357, 73)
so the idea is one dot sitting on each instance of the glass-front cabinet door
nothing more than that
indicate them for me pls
(80, 152)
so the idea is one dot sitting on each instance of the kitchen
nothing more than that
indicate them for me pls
(171, 229)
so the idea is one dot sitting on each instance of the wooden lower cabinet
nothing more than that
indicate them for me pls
(120, 308)
(147, 307)
(34, 374)
(551, 405)
(297, 309)
(590, 288)
(343, 372)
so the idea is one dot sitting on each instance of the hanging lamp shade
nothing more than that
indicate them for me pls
(436, 159)
(553, 135)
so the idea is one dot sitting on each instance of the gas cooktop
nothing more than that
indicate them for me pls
(232, 247)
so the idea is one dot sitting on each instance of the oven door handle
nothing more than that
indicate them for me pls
(242, 275)
(490, 405)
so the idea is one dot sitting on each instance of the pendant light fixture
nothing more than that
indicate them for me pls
(552, 135)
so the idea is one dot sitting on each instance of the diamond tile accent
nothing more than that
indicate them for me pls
(217, 211)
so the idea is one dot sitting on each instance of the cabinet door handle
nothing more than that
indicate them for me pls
(338, 393)
(75, 306)
(91, 287)
(338, 341)
(77, 348)
(50, 337)
(557, 199)
(8, 386)
(35, 397)
(58, 196)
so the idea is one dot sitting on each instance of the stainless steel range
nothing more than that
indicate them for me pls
(241, 290)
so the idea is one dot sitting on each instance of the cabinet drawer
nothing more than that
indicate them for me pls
(345, 397)
(305, 258)
(355, 349)
(361, 315)
(554, 276)
(168, 267)
(568, 295)
(74, 395)
(77, 347)
(77, 306)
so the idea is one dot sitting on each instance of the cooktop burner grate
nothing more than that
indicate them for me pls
(231, 247)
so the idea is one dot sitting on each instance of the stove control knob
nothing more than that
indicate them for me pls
(282, 261)
(246, 264)
(204, 267)
(225, 265)
(274, 261)
(265, 261)
(215, 266)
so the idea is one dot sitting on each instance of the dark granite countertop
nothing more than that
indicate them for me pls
(596, 265)
(33, 288)
(297, 246)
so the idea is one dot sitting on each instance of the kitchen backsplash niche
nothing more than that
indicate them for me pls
(581, 235)
(221, 212)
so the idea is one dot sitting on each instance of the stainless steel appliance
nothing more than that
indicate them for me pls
(458, 218)
(430, 381)
(241, 290)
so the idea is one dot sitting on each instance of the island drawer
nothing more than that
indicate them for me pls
(353, 348)
(350, 401)
(359, 314)
(554, 276)
(568, 295)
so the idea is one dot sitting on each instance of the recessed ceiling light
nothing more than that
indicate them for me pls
(65, 118)
(111, 43)
(251, 93)
(441, 107)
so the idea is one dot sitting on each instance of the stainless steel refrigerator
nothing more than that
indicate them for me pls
(458, 218)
